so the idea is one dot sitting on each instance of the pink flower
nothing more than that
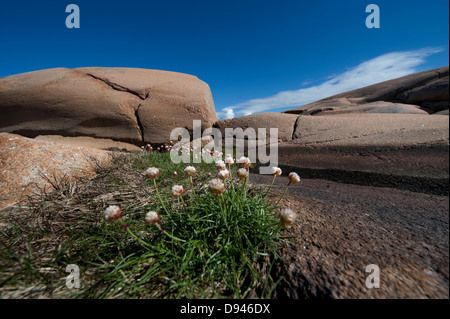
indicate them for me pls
(220, 165)
(242, 173)
(276, 171)
(152, 173)
(189, 171)
(287, 218)
(152, 218)
(294, 178)
(216, 186)
(175, 174)
(177, 190)
(224, 174)
(229, 160)
(244, 161)
(112, 213)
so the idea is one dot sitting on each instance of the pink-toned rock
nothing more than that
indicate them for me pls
(283, 122)
(90, 142)
(24, 162)
(371, 130)
(423, 92)
(131, 105)
(166, 99)
(66, 102)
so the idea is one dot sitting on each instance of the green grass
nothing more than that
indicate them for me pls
(213, 246)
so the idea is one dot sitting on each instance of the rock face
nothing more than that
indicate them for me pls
(27, 165)
(370, 130)
(131, 105)
(354, 129)
(283, 122)
(342, 228)
(394, 113)
(419, 93)
(90, 142)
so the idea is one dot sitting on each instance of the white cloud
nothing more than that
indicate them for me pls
(229, 113)
(382, 68)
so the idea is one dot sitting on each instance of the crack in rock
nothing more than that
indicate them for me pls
(118, 87)
(138, 121)
(295, 127)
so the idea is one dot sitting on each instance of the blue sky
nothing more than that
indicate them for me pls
(257, 56)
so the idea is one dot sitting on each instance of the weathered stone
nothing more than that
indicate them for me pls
(341, 229)
(86, 141)
(370, 130)
(131, 105)
(66, 102)
(283, 122)
(416, 89)
(27, 165)
(166, 99)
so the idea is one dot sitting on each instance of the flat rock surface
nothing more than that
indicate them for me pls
(28, 165)
(343, 228)
(370, 165)
(85, 141)
(283, 122)
(371, 130)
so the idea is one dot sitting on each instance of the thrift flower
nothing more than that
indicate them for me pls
(152, 173)
(112, 213)
(276, 171)
(242, 173)
(224, 174)
(294, 178)
(152, 218)
(220, 165)
(229, 160)
(244, 161)
(216, 186)
(287, 218)
(177, 190)
(189, 171)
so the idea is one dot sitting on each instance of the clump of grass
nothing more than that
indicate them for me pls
(208, 241)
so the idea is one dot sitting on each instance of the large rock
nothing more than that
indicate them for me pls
(28, 165)
(341, 229)
(283, 122)
(90, 142)
(131, 105)
(424, 92)
(370, 130)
